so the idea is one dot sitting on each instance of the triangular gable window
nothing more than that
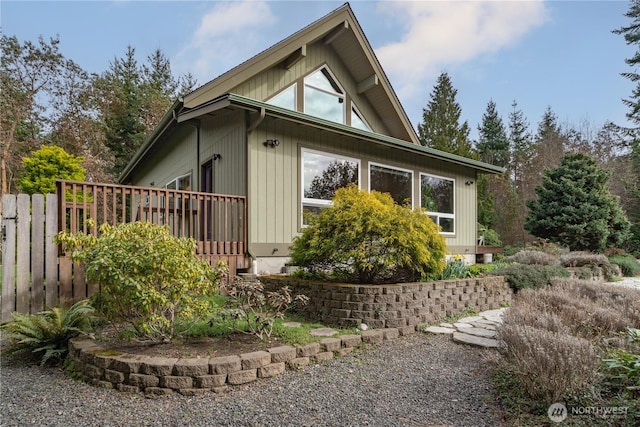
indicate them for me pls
(357, 121)
(323, 97)
(285, 99)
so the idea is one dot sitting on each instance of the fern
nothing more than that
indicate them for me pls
(45, 336)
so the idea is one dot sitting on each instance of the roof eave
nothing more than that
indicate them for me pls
(230, 100)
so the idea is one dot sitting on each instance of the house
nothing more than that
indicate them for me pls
(284, 128)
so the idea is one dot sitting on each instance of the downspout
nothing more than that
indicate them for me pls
(250, 128)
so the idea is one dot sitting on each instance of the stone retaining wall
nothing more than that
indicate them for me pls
(402, 306)
(160, 375)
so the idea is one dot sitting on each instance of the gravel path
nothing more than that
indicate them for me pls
(417, 380)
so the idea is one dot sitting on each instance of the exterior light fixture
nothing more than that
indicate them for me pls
(273, 143)
(468, 182)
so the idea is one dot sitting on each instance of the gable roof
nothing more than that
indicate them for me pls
(341, 30)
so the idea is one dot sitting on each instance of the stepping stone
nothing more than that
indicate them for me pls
(323, 332)
(470, 319)
(292, 324)
(478, 332)
(447, 325)
(488, 322)
(462, 325)
(489, 326)
(475, 340)
(498, 312)
(439, 330)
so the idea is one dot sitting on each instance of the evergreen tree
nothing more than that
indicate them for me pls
(493, 144)
(631, 34)
(575, 208)
(520, 143)
(122, 101)
(440, 128)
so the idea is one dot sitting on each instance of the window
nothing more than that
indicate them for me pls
(285, 99)
(397, 182)
(357, 121)
(322, 175)
(323, 97)
(180, 183)
(437, 198)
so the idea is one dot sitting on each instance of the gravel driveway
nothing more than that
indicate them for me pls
(417, 380)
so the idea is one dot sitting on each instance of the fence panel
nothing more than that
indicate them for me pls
(35, 275)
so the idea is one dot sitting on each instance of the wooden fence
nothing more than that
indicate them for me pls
(36, 274)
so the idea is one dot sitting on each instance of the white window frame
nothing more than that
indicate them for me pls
(320, 203)
(394, 168)
(439, 215)
(178, 179)
(342, 95)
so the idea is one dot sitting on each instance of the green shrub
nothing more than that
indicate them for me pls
(522, 276)
(533, 257)
(364, 237)
(148, 279)
(491, 236)
(45, 336)
(588, 265)
(624, 365)
(629, 266)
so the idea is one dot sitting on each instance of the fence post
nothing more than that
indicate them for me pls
(8, 255)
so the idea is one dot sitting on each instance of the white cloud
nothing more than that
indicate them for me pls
(438, 34)
(227, 35)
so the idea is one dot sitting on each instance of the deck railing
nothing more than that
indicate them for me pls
(216, 221)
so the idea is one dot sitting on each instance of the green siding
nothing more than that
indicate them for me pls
(224, 134)
(272, 81)
(170, 158)
(275, 189)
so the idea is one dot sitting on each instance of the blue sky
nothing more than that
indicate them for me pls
(560, 54)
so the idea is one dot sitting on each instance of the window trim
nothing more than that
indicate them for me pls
(180, 177)
(393, 168)
(321, 202)
(441, 214)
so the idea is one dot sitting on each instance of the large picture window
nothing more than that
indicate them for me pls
(322, 175)
(437, 198)
(397, 182)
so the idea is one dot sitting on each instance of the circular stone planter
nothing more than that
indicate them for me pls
(164, 375)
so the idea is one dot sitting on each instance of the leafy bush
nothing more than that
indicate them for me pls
(364, 237)
(523, 276)
(257, 307)
(531, 257)
(629, 266)
(46, 165)
(624, 365)
(580, 259)
(491, 236)
(148, 279)
(45, 336)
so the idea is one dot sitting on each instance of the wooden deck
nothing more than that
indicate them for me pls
(216, 221)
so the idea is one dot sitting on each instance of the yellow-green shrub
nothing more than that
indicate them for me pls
(148, 278)
(366, 238)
